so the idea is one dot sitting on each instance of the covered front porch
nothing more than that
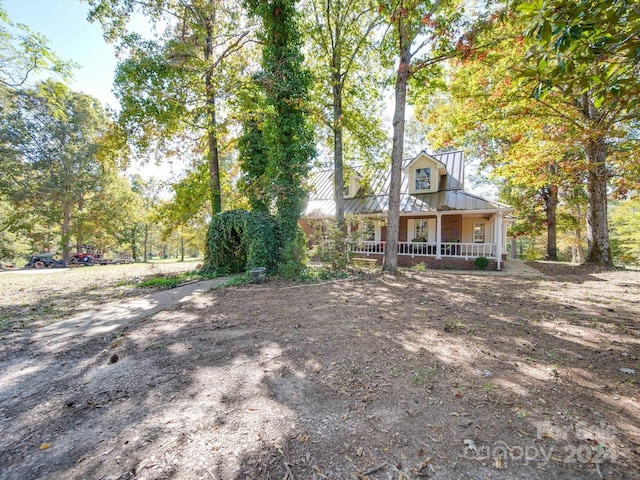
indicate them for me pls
(428, 249)
(441, 239)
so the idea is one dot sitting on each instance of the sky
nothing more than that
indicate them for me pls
(71, 37)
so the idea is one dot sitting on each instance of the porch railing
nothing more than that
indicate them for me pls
(429, 249)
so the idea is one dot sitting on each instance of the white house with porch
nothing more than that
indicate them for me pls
(440, 223)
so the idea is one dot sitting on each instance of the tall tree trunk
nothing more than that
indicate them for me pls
(146, 243)
(212, 127)
(599, 251)
(578, 238)
(65, 233)
(550, 204)
(338, 164)
(338, 156)
(390, 263)
(134, 248)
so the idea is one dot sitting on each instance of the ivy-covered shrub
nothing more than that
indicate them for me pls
(238, 241)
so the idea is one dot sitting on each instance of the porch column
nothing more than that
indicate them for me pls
(438, 235)
(499, 241)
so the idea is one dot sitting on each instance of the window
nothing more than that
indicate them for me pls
(345, 190)
(478, 233)
(421, 230)
(369, 232)
(423, 178)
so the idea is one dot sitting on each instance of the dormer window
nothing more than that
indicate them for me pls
(423, 178)
(423, 174)
(351, 185)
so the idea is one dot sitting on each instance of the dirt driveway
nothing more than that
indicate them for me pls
(422, 375)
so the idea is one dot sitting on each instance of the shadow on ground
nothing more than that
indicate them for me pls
(430, 375)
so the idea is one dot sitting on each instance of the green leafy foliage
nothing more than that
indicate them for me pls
(24, 53)
(330, 244)
(174, 87)
(54, 135)
(159, 282)
(625, 227)
(287, 139)
(238, 241)
(585, 58)
(481, 263)
(348, 74)
(530, 105)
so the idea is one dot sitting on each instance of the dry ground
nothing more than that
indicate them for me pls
(421, 375)
(31, 297)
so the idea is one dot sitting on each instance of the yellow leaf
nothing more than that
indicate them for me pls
(44, 446)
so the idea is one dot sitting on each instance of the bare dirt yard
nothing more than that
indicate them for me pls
(421, 375)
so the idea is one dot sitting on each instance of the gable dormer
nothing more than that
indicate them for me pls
(423, 174)
(351, 185)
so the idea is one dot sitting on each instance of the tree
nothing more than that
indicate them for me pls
(416, 25)
(54, 135)
(585, 57)
(186, 214)
(342, 32)
(528, 141)
(24, 53)
(288, 140)
(13, 222)
(173, 89)
(625, 230)
(111, 208)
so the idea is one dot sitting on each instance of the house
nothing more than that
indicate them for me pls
(441, 224)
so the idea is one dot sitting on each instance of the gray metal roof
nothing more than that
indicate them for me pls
(450, 196)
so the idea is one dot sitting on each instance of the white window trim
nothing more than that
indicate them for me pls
(415, 178)
(430, 229)
(484, 231)
(433, 178)
(377, 231)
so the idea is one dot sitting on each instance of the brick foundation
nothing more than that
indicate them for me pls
(431, 262)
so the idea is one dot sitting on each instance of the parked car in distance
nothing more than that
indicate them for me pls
(45, 260)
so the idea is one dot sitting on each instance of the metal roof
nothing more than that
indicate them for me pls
(450, 196)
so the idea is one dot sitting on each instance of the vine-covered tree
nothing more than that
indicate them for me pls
(284, 130)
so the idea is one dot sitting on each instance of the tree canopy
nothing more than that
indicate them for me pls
(549, 101)
(545, 93)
